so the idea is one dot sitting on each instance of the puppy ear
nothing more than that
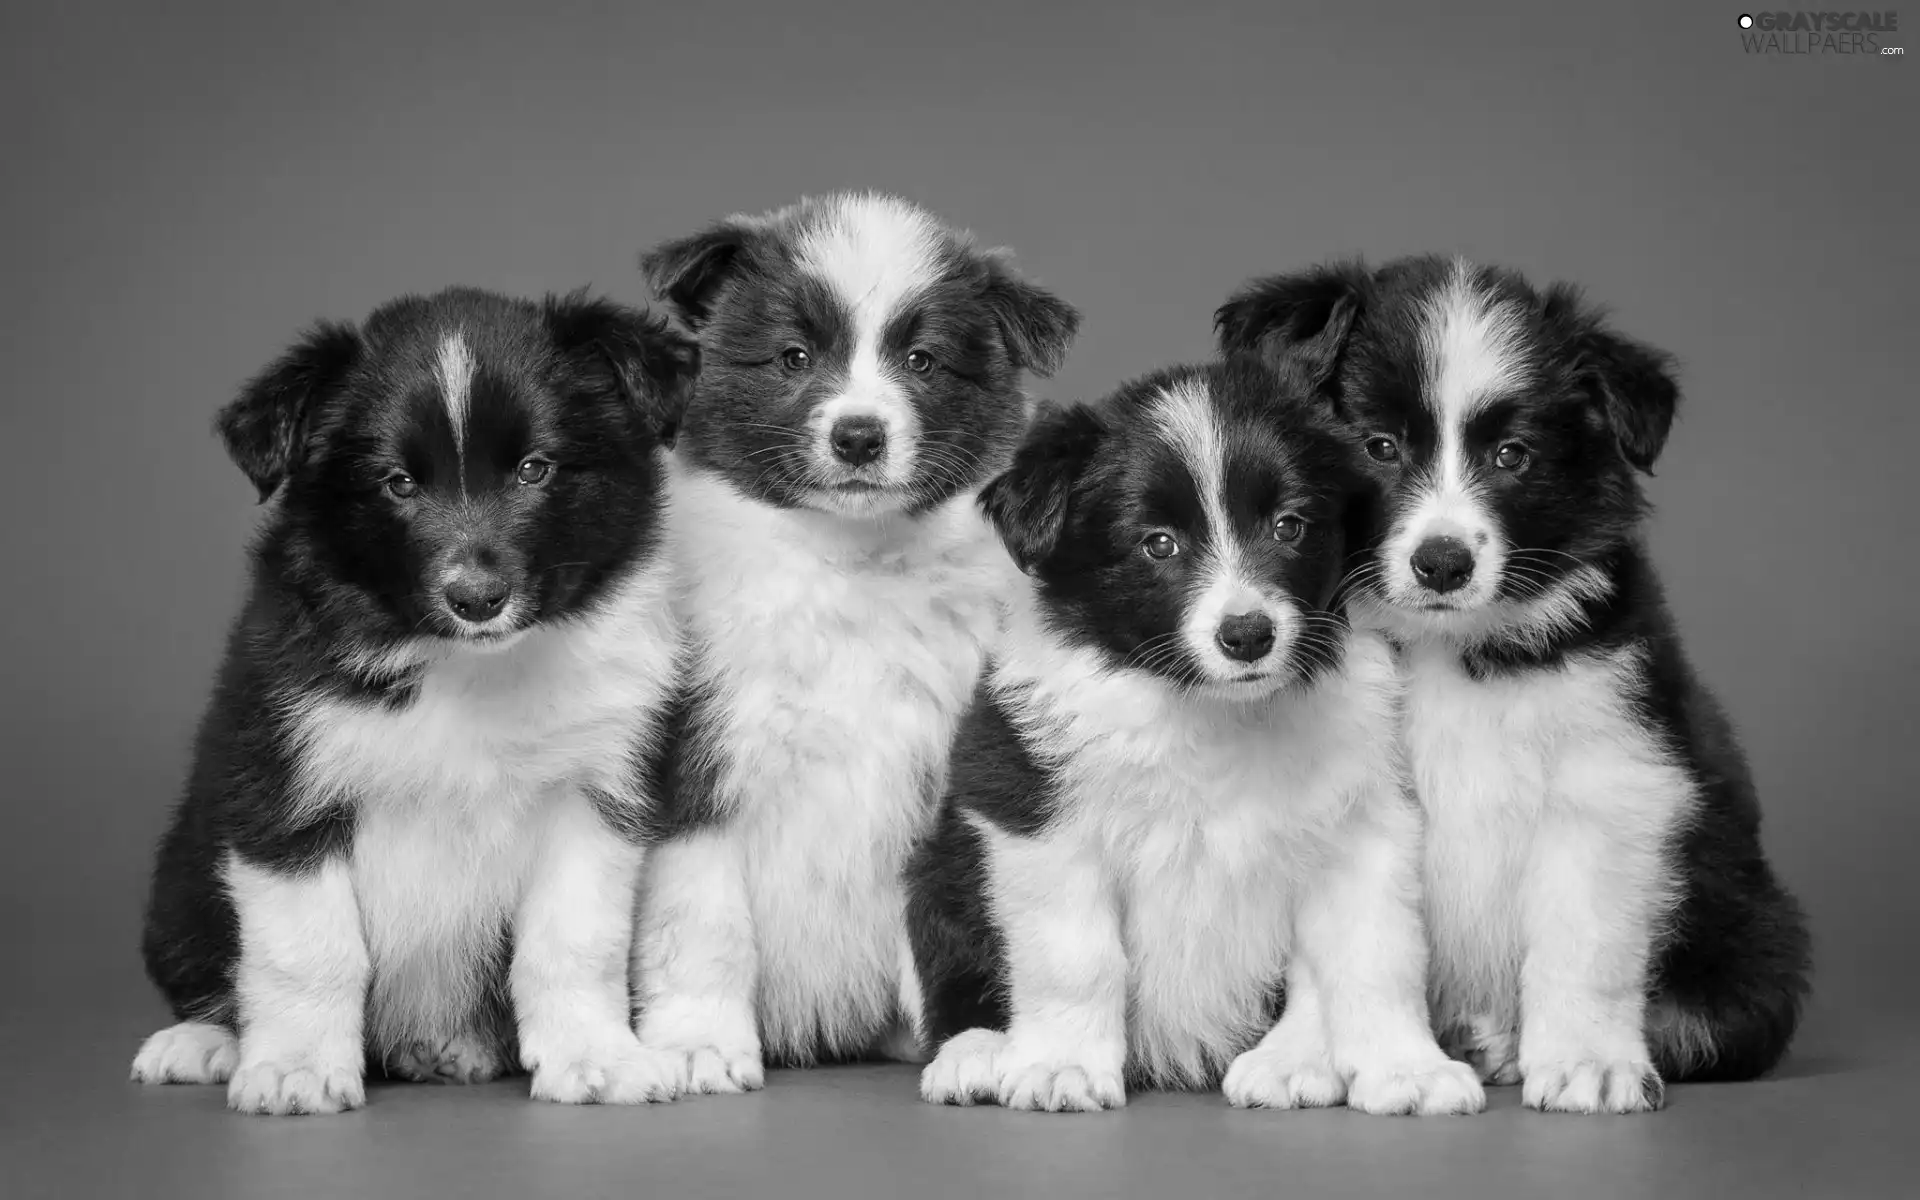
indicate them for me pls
(1028, 502)
(265, 427)
(1297, 323)
(1038, 326)
(1633, 383)
(624, 351)
(687, 273)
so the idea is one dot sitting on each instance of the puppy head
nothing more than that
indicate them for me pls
(1503, 427)
(1193, 526)
(462, 466)
(861, 358)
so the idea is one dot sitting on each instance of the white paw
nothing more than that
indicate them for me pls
(1057, 1083)
(308, 1085)
(1490, 1047)
(1268, 1078)
(964, 1071)
(1593, 1086)
(621, 1072)
(1428, 1088)
(462, 1058)
(712, 1071)
(190, 1052)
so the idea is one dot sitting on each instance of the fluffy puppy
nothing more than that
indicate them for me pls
(1177, 788)
(839, 587)
(1602, 914)
(412, 828)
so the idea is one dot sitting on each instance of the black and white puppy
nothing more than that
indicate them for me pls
(1177, 796)
(1601, 912)
(413, 827)
(839, 588)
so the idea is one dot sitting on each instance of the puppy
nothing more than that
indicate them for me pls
(1178, 788)
(839, 588)
(1601, 912)
(413, 823)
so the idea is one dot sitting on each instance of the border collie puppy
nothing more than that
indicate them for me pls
(839, 588)
(1602, 915)
(413, 827)
(1177, 792)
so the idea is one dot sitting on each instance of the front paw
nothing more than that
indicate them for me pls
(709, 1070)
(1593, 1085)
(462, 1058)
(622, 1071)
(1061, 1082)
(1422, 1088)
(295, 1085)
(1265, 1077)
(965, 1071)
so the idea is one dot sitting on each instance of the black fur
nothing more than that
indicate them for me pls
(1593, 411)
(343, 569)
(957, 948)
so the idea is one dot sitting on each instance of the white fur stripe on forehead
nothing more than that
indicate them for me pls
(454, 366)
(1472, 346)
(874, 251)
(1185, 416)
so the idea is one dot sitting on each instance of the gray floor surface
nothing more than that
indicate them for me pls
(1838, 1121)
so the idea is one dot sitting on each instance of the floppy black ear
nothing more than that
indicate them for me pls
(1633, 383)
(1038, 326)
(1299, 322)
(265, 427)
(1028, 502)
(689, 271)
(631, 353)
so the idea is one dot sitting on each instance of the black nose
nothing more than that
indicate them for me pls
(1442, 564)
(858, 440)
(477, 595)
(1247, 637)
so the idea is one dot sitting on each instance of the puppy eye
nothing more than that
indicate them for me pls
(402, 484)
(1511, 456)
(796, 359)
(533, 470)
(1289, 528)
(1160, 545)
(919, 362)
(1383, 449)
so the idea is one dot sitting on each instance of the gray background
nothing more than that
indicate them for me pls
(186, 184)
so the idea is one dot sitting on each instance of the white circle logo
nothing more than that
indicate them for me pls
(1746, 22)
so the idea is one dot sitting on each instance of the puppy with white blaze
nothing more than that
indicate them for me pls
(1175, 809)
(1602, 915)
(839, 589)
(413, 828)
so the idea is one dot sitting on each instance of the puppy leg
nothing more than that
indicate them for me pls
(568, 977)
(301, 985)
(1292, 1067)
(696, 968)
(1592, 891)
(1066, 1044)
(1358, 929)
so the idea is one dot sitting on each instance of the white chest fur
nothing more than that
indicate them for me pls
(1491, 759)
(842, 654)
(1209, 819)
(447, 791)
